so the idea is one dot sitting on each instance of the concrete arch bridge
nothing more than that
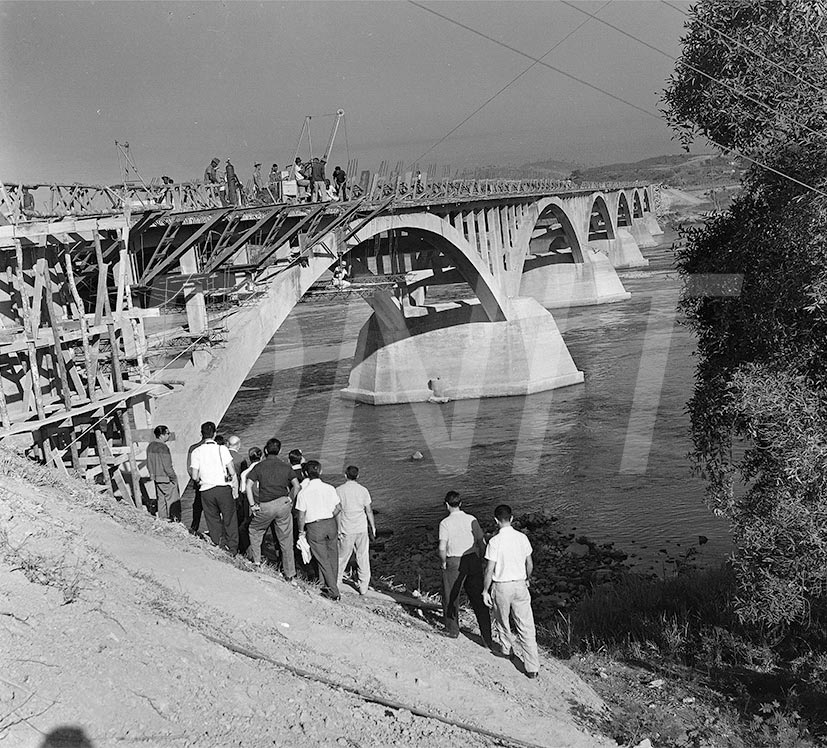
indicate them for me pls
(156, 314)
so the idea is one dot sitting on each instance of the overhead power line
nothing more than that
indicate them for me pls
(593, 87)
(685, 64)
(507, 85)
(818, 89)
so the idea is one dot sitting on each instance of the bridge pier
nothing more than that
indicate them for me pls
(623, 251)
(558, 285)
(641, 234)
(456, 344)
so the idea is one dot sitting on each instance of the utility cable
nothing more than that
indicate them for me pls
(685, 64)
(507, 85)
(818, 89)
(594, 87)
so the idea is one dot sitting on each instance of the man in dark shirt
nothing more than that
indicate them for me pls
(159, 466)
(277, 485)
(317, 178)
(340, 180)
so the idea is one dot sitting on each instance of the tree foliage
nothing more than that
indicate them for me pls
(759, 409)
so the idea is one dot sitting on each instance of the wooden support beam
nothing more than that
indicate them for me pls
(80, 313)
(284, 238)
(31, 334)
(222, 256)
(62, 375)
(151, 273)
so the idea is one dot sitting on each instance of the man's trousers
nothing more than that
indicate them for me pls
(220, 512)
(277, 512)
(324, 545)
(464, 572)
(355, 541)
(512, 601)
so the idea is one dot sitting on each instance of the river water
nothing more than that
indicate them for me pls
(608, 457)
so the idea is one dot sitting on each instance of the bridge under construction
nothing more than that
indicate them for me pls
(126, 306)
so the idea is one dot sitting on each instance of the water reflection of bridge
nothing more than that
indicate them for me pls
(121, 308)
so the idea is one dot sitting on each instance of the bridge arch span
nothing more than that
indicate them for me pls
(454, 245)
(601, 225)
(637, 205)
(552, 207)
(624, 215)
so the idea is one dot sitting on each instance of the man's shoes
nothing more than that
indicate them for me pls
(330, 596)
(451, 634)
(532, 676)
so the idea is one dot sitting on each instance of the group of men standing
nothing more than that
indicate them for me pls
(310, 179)
(262, 491)
(243, 497)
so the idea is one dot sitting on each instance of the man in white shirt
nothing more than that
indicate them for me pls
(356, 527)
(211, 467)
(507, 574)
(319, 515)
(461, 547)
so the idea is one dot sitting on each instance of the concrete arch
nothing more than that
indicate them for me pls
(647, 202)
(601, 209)
(624, 215)
(454, 244)
(553, 206)
(637, 206)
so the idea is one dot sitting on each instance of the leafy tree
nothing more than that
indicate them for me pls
(759, 408)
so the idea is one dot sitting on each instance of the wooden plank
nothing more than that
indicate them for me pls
(100, 440)
(84, 331)
(34, 370)
(62, 375)
(133, 462)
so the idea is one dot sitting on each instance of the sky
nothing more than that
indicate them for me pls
(182, 82)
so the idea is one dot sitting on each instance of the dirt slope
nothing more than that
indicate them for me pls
(108, 622)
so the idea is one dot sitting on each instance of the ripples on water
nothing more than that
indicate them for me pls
(562, 450)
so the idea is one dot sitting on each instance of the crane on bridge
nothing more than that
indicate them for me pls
(339, 116)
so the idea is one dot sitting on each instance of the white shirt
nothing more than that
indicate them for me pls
(457, 530)
(318, 500)
(354, 498)
(211, 461)
(508, 549)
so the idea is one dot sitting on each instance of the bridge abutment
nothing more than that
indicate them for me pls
(456, 345)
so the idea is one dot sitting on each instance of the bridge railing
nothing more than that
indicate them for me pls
(33, 201)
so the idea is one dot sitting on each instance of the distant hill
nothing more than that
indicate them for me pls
(681, 170)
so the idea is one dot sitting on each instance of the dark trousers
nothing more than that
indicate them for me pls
(191, 507)
(464, 572)
(220, 513)
(323, 537)
(243, 515)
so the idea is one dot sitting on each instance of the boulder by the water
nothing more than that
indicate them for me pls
(417, 456)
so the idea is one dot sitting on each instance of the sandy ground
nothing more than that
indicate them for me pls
(121, 629)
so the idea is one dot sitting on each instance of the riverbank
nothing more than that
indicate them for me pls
(124, 630)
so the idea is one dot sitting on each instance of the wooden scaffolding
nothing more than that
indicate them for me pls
(72, 375)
